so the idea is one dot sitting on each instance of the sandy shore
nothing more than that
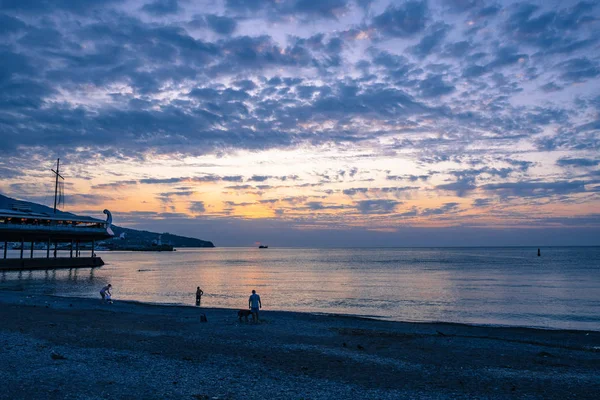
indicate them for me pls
(71, 348)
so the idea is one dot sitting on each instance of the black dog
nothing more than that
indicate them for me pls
(244, 313)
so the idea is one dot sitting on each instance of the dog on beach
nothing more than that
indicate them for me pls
(245, 314)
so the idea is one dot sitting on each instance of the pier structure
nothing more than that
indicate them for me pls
(21, 225)
(67, 231)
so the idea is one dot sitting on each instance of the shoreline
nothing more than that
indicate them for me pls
(316, 313)
(70, 347)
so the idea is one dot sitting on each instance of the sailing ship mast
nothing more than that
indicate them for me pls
(58, 175)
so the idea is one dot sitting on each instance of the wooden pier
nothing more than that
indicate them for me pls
(67, 231)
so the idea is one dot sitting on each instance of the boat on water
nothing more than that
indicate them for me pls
(262, 246)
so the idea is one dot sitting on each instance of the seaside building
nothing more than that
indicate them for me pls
(54, 232)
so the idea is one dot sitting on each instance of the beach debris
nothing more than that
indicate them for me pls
(57, 356)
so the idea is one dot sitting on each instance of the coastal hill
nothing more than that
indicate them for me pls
(124, 237)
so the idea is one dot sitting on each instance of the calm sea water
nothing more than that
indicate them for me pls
(497, 286)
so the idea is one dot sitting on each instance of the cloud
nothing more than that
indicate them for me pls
(461, 5)
(403, 20)
(479, 203)
(159, 8)
(432, 40)
(318, 206)
(462, 186)
(579, 69)
(277, 10)
(553, 31)
(221, 24)
(435, 86)
(381, 206)
(79, 7)
(259, 178)
(535, 189)
(9, 25)
(505, 56)
(197, 207)
(577, 162)
(447, 208)
(354, 191)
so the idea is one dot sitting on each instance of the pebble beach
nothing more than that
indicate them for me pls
(73, 348)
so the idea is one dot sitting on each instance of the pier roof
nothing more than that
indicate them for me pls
(18, 225)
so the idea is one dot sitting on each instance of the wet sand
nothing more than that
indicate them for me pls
(72, 348)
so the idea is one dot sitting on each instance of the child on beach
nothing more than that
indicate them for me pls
(105, 291)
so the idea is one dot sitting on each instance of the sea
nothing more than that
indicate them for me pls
(495, 286)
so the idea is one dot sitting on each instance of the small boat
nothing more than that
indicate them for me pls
(262, 246)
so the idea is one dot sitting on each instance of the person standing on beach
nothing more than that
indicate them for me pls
(199, 294)
(104, 291)
(254, 304)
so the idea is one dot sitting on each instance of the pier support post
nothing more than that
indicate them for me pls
(48, 249)
(31, 251)
(93, 245)
(71, 253)
(22, 245)
(55, 248)
(77, 249)
(5, 248)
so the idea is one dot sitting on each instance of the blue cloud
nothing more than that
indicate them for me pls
(197, 207)
(535, 189)
(578, 162)
(162, 7)
(432, 40)
(45, 6)
(404, 20)
(354, 191)
(275, 10)
(377, 206)
(221, 24)
(435, 86)
(9, 25)
(579, 69)
(447, 208)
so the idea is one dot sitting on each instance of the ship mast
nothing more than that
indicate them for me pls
(58, 175)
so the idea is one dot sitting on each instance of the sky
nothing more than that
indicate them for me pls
(309, 123)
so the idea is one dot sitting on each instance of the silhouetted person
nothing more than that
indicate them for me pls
(104, 291)
(199, 294)
(254, 304)
(539, 253)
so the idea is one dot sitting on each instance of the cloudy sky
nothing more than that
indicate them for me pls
(309, 123)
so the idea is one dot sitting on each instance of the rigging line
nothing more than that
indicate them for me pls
(47, 187)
